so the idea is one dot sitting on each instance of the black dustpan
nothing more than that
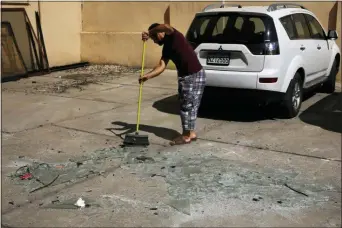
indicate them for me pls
(135, 139)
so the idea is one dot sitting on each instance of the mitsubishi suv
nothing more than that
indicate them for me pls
(279, 51)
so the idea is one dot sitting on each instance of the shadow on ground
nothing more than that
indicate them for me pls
(229, 108)
(165, 133)
(326, 113)
(222, 110)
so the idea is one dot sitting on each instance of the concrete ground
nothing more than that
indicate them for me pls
(246, 169)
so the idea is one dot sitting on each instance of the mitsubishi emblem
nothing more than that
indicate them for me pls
(220, 48)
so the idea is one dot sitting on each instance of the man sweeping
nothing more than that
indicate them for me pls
(191, 75)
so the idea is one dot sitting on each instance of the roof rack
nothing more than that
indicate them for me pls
(214, 6)
(275, 6)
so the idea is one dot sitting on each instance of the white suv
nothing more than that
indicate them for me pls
(280, 49)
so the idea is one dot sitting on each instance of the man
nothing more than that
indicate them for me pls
(191, 76)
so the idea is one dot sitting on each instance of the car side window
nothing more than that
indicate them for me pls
(301, 26)
(316, 29)
(288, 26)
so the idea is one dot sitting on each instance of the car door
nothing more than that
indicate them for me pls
(322, 52)
(305, 45)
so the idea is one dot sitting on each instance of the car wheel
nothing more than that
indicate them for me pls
(293, 97)
(330, 84)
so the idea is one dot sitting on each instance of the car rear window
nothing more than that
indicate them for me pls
(231, 27)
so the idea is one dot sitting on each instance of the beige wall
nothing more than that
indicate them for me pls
(111, 30)
(61, 26)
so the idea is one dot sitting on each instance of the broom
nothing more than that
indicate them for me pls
(135, 139)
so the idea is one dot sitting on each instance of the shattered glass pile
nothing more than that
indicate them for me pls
(191, 179)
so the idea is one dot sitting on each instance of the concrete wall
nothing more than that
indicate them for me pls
(111, 30)
(61, 26)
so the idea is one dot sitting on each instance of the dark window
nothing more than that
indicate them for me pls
(316, 29)
(301, 26)
(231, 28)
(255, 31)
(288, 26)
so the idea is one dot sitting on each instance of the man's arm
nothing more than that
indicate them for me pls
(162, 28)
(156, 70)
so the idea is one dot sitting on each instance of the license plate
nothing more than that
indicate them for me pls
(222, 61)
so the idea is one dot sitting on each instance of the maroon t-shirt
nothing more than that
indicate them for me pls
(178, 49)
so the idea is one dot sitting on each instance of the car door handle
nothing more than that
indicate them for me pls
(319, 47)
(302, 48)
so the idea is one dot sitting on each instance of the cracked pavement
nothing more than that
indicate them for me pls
(246, 169)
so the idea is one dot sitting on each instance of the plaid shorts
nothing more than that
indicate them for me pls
(190, 90)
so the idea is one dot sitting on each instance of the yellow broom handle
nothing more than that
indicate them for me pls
(141, 84)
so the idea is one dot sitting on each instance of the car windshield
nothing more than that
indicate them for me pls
(236, 28)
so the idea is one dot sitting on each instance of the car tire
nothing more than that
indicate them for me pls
(329, 86)
(293, 97)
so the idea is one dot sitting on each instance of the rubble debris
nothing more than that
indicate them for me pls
(74, 203)
(144, 159)
(44, 186)
(295, 190)
(153, 208)
(155, 213)
(279, 201)
(255, 199)
(11, 202)
(157, 175)
(26, 176)
(80, 203)
(181, 205)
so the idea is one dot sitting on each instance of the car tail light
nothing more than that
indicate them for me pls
(268, 80)
(271, 48)
(266, 48)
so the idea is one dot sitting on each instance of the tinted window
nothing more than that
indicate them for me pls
(288, 26)
(231, 28)
(316, 29)
(301, 26)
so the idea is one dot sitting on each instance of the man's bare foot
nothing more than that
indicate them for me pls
(193, 136)
(183, 139)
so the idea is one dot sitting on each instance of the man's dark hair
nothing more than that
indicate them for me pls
(153, 26)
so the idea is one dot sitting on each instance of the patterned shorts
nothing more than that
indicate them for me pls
(190, 90)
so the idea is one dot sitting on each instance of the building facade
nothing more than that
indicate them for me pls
(110, 32)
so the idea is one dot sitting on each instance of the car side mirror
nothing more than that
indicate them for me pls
(332, 34)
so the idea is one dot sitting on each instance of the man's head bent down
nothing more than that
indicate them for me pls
(158, 37)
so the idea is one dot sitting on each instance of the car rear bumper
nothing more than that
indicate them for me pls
(244, 80)
(242, 95)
